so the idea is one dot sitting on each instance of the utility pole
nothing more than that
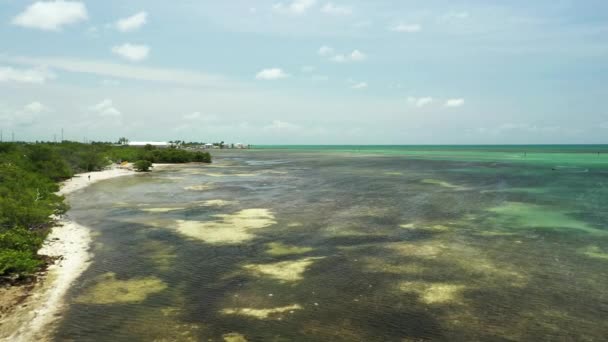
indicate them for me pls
(13, 136)
(62, 135)
(55, 138)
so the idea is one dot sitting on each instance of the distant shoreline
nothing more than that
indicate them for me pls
(531, 148)
(69, 242)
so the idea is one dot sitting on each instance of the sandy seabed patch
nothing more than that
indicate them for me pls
(468, 260)
(161, 210)
(262, 313)
(425, 227)
(229, 228)
(234, 337)
(434, 293)
(444, 184)
(200, 187)
(218, 203)
(527, 215)
(217, 174)
(284, 271)
(594, 252)
(280, 249)
(110, 290)
(207, 203)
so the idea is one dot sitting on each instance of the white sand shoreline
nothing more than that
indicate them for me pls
(69, 241)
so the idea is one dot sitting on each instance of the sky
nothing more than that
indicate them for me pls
(306, 71)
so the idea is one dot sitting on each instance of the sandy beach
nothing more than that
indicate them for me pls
(69, 242)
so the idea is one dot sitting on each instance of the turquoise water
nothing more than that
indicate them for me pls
(454, 148)
(581, 155)
(350, 244)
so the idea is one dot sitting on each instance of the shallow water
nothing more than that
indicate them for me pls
(349, 245)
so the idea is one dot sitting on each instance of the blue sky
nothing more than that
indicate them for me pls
(306, 71)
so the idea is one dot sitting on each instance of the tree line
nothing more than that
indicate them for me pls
(29, 176)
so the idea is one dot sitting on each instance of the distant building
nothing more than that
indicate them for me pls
(158, 144)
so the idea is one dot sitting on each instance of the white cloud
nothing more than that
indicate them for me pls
(132, 52)
(355, 56)
(124, 71)
(192, 116)
(420, 101)
(25, 116)
(427, 100)
(363, 24)
(282, 126)
(359, 86)
(514, 126)
(508, 128)
(325, 51)
(454, 16)
(308, 69)
(35, 108)
(339, 59)
(132, 23)
(110, 83)
(198, 116)
(105, 108)
(319, 78)
(330, 8)
(294, 7)
(36, 76)
(454, 103)
(51, 15)
(92, 32)
(407, 28)
(271, 74)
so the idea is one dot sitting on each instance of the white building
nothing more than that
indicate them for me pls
(159, 144)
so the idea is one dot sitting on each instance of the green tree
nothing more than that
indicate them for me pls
(142, 166)
(45, 159)
(202, 157)
(29, 173)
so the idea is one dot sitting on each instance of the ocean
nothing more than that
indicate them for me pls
(350, 243)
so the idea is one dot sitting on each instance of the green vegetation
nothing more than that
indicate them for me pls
(156, 155)
(29, 173)
(142, 166)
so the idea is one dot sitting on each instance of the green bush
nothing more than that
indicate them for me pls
(142, 166)
(156, 155)
(27, 199)
(202, 157)
(28, 183)
(20, 239)
(19, 262)
(92, 161)
(47, 160)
